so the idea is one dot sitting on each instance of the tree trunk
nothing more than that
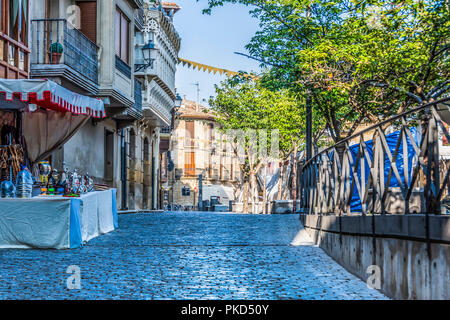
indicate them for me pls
(294, 181)
(245, 197)
(253, 193)
(340, 150)
(265, 191)
(280, 181)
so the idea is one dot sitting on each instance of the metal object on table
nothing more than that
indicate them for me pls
(24, 184)
(51, 185)
(44, 171)
(75, 182)
(89, 183)
(7, 189)
(83, 187)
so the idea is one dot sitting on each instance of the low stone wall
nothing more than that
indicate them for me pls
(238, 207)
(281, 206)
(412, 265)
(273, 207)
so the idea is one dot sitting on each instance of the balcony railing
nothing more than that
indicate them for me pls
(139, 18)
(165, 130)
(78, 51)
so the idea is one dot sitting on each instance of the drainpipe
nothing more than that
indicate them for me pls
(308, 128)
(153, 181)
(155, 170)
(123, 169)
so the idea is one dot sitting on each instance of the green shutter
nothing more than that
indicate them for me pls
(25, 9)
(14, 12)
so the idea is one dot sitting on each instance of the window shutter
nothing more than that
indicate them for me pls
(89, 19)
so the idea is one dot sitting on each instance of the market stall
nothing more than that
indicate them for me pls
(39, 206)
(56, 222)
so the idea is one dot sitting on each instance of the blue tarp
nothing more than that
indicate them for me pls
(114, 209)
(75, 224)
(391, 139)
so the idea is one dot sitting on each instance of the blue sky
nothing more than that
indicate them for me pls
(212, 39)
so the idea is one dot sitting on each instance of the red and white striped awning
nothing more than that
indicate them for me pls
(48, 94)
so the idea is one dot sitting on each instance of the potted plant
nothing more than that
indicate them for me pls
(55, 52)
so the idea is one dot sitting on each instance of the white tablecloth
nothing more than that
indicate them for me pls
(56, 222)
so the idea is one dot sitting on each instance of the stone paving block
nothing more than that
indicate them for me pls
(185, 255)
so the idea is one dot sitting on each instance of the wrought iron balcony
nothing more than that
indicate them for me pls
(165, 130)
(59, 49)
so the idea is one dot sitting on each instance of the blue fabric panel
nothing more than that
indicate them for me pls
(391, 139)
(114, 209)
(75, 224)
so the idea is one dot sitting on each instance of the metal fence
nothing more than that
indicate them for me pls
(139, 16)
(166, 129)
(50, 36)
(327, 182)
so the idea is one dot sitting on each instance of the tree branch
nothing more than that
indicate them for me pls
(385, 85)
(436, 88)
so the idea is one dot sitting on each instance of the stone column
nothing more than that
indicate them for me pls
(105, 41)
(155, 168)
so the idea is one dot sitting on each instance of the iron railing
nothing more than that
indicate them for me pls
(139, 17)
(380, 174)
(166, 129)
(78, 51)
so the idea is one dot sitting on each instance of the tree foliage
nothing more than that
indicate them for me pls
(359, 60)
(256, 112)
(243, 104)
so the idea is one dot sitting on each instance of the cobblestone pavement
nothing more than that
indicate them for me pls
(184, 255)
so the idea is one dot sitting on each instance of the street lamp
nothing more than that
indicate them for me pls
(177, 101)
(173, 111)
(148, 52)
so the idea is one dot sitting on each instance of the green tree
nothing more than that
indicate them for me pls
(247, 106)
(359, 60)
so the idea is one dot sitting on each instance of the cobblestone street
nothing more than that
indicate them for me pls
(185, 256)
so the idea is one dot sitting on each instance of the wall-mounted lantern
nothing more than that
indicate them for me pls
(149, 54)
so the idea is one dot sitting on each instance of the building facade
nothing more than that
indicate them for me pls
(148, 165)
(199, 147)
(95, 48)
(14, 39)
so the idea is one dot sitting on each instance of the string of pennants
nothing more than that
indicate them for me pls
(204, 68)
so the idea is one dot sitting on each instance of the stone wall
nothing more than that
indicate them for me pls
(411, 266)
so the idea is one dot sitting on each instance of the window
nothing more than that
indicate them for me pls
(88, 19)
(122, 30)
(189, 163)
(14, 53)
(189, 135)
(211, 133)
(14, 17)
